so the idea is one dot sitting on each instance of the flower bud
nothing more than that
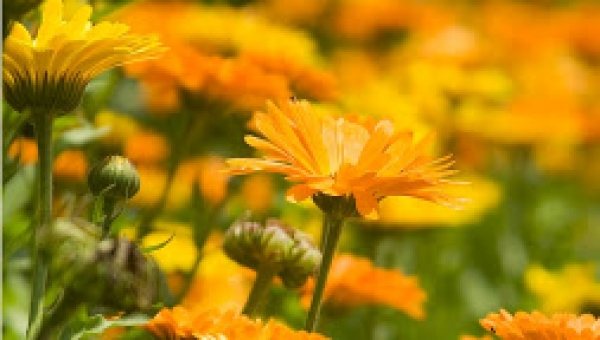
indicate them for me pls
(114, 177)
(285, 251)
(253, 245)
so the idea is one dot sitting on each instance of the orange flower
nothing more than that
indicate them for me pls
(342, 157)
(25, 149)
(537, 326)
(146, 147)
(355, 281)
(179, 323)
(71, 165)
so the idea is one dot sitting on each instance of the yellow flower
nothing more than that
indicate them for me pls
(355, 281)
(344, 158)
(537, 326)
(569, 291)
(120, 127)
(51, 71)
(179, 323)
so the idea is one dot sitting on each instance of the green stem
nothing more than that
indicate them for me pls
(332, 227)
(264, 277)
(43, 127)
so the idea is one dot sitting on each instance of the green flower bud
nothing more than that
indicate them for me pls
(253, 245)
(114, 177)
(302, 262)
(285, 251)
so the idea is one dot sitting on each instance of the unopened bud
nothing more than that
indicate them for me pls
(285, 251)
(115, 178)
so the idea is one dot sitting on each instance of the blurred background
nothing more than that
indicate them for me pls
(510, 88)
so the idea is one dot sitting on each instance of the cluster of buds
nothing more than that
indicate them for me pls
(283, 250)
(112, 273)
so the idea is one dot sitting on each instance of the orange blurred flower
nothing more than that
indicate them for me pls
(258, 192)
(146, 147)
(71, 165)
(25, 149)
(207, 173)
(344, 157)
(179, 323)
(537, 326)
(355, 281)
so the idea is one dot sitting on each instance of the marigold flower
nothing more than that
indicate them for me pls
(146, 147)
(52, 70)
(355, 281)
(537, 326)
(179, 323)
(365, 161)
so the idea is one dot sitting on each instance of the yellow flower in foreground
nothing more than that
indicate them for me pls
(355, 281)
(571, 290)
(342, 157)
(179, 323)
(51, 71)
(537, 326)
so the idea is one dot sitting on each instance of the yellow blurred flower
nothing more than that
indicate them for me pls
(120, 127)
(408, 212)
(153, 181)
(470, 337)
(177, 255)
(179, 323)
(146, 147)
(51, 71)
(537, 326)
(570, 290)
(71, 165)
(24, 149)
(355, 281)
(336, 157)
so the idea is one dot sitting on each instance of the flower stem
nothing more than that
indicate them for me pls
(332, 227)
(264, 276)
(43, 128)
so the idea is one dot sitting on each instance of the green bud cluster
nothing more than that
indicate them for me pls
(286, 251)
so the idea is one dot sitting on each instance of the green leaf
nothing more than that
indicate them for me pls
(87, 328)
(158, 246)
(17, 192)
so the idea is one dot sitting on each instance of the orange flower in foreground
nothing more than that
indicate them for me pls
(342, 157)
(355, 281)
(537, 326)
(179, 323)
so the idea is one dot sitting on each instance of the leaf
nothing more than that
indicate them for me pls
(158, 246)
(83, 135)
(86, 328)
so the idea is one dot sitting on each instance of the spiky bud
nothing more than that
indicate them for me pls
(115, 178)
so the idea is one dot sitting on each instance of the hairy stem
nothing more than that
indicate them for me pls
(43, 127)
(264, 276)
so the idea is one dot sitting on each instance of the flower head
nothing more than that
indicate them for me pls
(355, 281)
(179, 323)
(52, 70)
(537, 326)
(365, 161)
